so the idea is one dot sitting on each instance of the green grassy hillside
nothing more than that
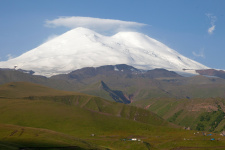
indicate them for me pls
(131, 86)
(30, 91)
(139, 88)
(25, 89)
(200, 114)
(14, 136)
(66, 119)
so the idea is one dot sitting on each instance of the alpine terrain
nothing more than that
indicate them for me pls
(83, 90)
(81, 47)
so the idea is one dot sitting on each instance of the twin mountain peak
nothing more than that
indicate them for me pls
(81, 47)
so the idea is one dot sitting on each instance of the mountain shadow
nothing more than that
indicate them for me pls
(116, 95)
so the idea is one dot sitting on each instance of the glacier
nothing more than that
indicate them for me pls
(82, 47)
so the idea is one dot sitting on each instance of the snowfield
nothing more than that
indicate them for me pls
(81, 47)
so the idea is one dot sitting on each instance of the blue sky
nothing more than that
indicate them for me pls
(194, 28)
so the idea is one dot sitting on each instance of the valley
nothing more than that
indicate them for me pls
(94, 115)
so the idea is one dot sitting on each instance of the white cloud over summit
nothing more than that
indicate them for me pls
(97, 24)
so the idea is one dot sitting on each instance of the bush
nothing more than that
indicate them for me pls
(200, 127)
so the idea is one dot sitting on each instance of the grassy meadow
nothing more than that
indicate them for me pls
(37, 117)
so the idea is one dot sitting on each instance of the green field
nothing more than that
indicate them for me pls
(199, 114)
(33, 116)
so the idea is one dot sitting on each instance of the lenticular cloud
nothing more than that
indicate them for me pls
(96, 24)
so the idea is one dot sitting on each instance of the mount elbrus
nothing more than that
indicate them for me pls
(81, 47)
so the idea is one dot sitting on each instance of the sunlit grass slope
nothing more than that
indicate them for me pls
(71, 119)
(25, 89)
(200, 114)
(13, 136)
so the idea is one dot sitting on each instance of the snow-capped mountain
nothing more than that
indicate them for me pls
(81, 47)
